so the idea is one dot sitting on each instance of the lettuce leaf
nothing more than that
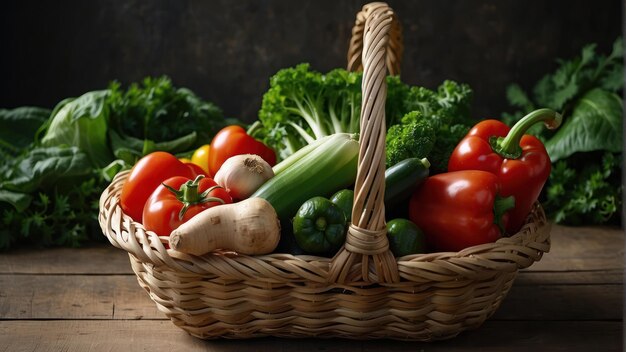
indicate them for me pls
(82, 123)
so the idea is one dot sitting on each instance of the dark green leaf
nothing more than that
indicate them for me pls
(20, 201)
(82, 123)
(18, 126)
(595, 124)
(45, 166)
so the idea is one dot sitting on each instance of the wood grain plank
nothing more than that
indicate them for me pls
(98, 258)
(595, 277)
(147, 335)
(583, 248)
(74, 297)
(120, 297)
(562, 302)
(573, 248)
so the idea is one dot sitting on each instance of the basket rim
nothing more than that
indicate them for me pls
(505, 255)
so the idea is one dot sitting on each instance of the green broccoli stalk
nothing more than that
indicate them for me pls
(302, 105)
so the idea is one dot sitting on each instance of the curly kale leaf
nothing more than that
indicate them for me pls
(581, 193)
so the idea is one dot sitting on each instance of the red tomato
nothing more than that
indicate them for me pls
(168, 208)
(196, 170)
(233, 140)
(145, 177)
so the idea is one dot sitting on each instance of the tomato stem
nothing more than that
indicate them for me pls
(509, 147)
(188, 195)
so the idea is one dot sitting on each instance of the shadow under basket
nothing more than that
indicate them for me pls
(361, 293)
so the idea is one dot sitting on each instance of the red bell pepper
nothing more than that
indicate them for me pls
(520, 161)
(456, 210)
(233, 140)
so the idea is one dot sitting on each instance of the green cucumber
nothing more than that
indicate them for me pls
(403, 178)
(328, 167)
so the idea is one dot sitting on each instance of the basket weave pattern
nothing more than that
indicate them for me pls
(361, 293)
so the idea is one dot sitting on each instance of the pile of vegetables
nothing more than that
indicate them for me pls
(204, 183)
(482, 184)
(585, 186)
(57, 163)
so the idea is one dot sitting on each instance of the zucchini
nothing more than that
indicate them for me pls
(403, 178)
(323, 170)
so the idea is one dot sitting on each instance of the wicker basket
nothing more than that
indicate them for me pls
(361, 293)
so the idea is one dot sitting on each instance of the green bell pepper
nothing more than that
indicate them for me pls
(319, 226)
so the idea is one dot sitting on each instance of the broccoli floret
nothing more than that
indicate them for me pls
(446, 111)
(414, 138)
(444, 145)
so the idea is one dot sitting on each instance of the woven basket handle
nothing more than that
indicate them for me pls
(366, 240)
(395, 47)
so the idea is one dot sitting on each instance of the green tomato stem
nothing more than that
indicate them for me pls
(509, 147)
(188, 195)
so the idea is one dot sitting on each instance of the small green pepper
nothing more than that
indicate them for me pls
(344, 199)
(405, 238)
(319, 226)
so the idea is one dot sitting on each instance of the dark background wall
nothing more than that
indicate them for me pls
(226, 50)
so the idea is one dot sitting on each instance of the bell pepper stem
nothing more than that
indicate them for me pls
(509, 146)
(320, 224)
(500, 206)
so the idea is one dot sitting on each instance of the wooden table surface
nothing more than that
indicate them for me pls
(88, 299)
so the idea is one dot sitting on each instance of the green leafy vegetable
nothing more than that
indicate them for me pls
(595, 124)
(19, 125)
(585, 195)
(435, 123)
(57, 164)
(303, 105)
(585, 184)
(154, 115)
(82, 123)
(44, 167)
(413, 138)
